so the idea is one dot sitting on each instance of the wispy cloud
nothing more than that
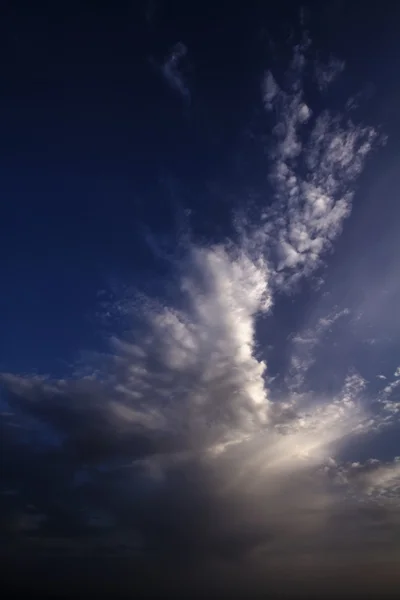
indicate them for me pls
(172, 70)
(304, 344)
(327, 73)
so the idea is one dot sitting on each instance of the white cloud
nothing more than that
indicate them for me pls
(207, 349)
(389, 399)
(313, 196)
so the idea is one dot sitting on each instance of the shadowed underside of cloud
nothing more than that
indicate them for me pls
(170, 448)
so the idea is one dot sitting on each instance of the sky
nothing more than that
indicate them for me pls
(199, 322)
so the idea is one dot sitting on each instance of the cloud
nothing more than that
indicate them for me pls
(314, 161)
(172, 73)
(304, 344)
(379, 480)
(176, 445)
(170, 447)
(328, 72)
(389, 399)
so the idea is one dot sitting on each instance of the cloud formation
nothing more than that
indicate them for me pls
(170, 448)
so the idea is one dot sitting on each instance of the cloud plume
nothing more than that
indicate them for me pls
(171, 446)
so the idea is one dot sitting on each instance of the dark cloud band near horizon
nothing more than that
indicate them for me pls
(175, 449)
